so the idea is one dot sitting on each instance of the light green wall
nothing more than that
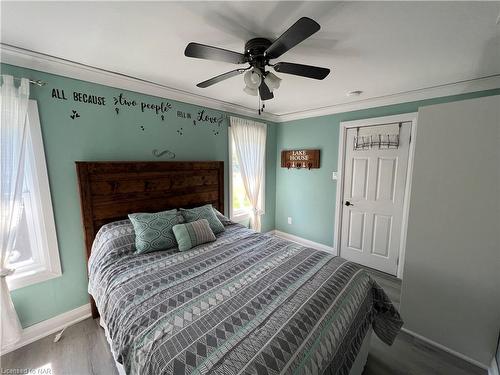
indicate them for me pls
(309, 196)
(100, 134)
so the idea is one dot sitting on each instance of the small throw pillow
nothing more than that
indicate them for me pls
(223, 219)
(153, 231)
(193, 234)
(203, 212)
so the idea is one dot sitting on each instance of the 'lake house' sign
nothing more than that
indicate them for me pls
(300, 159)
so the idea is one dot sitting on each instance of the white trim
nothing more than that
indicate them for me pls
(445, 348)
(49, 264)
(50, 326)
(303, 241)
(462, 87)
(493, 369)
(405, 117)
(54, 65)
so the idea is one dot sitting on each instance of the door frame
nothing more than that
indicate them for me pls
(344, 126)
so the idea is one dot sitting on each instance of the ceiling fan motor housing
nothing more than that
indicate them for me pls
(255, 49)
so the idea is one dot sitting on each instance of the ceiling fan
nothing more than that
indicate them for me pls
(258, 53)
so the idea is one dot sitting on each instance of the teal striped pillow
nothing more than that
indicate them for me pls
(153, 231)
(193, 234)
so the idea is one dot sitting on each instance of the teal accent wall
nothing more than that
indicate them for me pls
(100, 134)
(309, 196)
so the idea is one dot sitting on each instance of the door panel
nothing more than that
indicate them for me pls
(382, 225)
(386, 179)
(372, 211)
(359, 178)
(356, 230)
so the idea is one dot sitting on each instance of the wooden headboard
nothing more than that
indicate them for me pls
(109, 191)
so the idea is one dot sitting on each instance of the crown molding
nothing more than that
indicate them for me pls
(55, 65)
(462, 87)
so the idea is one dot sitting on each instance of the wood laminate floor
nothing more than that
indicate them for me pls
(83, 350)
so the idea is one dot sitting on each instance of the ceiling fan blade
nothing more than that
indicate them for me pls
(302, 70)
(265, 93)
(299, 31)
(219, 78)
(202, 51)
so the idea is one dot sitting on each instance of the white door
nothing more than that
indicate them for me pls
(373, 195)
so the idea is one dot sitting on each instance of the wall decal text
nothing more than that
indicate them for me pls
(203, 117)
(200, 116)
(121, 100)
(182, 114)
(158, 108)
(58, 94)
(88, 98)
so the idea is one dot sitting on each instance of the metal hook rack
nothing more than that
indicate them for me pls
(378, 141)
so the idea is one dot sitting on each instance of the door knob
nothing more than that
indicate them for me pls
(347, 203)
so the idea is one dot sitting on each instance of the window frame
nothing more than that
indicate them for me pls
(46, 264)
(242, 215)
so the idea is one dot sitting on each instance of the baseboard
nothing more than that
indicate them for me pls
(49, 326)
(445, 348)
(494, 367)
(304, 242)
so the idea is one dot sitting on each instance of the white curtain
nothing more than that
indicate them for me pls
(14, 106)
(250, 146)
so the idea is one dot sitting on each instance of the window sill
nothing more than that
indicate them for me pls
(24, 278)
(238, 217)
(242, 216)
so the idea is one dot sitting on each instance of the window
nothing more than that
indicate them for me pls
(240, 206)
(35, 256)
(239, 201)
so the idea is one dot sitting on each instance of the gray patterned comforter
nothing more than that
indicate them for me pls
(247, 303)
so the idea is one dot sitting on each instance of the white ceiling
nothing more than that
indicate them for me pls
(381, 48)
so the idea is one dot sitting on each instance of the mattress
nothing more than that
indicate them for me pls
(248, 303)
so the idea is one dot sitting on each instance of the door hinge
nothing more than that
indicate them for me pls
(397, 262)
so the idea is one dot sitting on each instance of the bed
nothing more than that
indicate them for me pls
(248, 303)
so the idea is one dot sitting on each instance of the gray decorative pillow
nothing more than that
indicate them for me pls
(203, 212)
(193, 234)
(153, 231)
(223, 219)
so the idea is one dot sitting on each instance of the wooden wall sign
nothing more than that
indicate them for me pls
(300, 159)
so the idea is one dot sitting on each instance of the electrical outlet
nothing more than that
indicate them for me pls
(289, 220)
(335, 175)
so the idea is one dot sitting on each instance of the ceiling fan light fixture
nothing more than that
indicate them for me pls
(253, 78)
(250, 91)
(272, 81)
